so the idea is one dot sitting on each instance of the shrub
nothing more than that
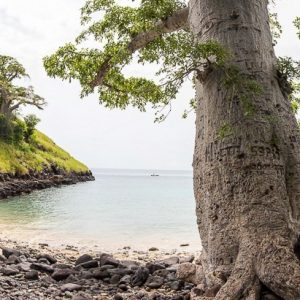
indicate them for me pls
(30, 121)
(6, 129)
(19, 129)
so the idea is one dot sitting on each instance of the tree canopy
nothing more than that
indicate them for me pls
(154, 31)
(13, 96)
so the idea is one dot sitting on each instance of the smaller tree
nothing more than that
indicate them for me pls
(31, 121)
(12, 96)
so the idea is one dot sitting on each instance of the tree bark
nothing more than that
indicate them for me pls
(247, 183)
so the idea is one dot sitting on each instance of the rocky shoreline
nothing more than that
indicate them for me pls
(17, 184)
(41, 272)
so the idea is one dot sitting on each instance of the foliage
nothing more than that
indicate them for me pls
(225, 131)
(40, 153)
(12, 96)
(11, 131)
(289, 79)
(242, 87)
(30, 121)
(176, 53)
(6, 130)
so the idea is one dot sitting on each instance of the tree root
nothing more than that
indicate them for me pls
(278, 267)
(274, 265)
(241, 280)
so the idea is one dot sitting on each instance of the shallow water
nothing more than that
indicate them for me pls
(121, 208)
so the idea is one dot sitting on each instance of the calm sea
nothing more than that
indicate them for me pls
(121, 208)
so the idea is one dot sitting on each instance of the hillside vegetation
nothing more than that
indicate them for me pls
(37, 155)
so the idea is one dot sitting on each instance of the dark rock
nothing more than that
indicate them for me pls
(87, 275)
(106, 259)
(173, 268)
(118, 297)
(13, 260)
(123, 287)
(154, 282)
(125, 279)
(161, 273)
(52, 260)
(170, 261)
(2, 258)
(115, 279)
(61, 266)
(88, 265)
(43, 261)
(7, 252)
(140, 276)
(32, 275)
(9, 271)
(83, 259)
(100, 274)
(152, 249)
(121, 272)
(175, 285)
(152, 267)
(62, 274)
(42, 268)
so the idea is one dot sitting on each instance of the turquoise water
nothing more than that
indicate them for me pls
(121, 208)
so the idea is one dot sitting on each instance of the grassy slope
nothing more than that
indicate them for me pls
(35, 156)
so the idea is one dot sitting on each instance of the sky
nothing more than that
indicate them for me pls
(99, 137)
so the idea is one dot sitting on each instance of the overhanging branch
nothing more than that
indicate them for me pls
(171, 24)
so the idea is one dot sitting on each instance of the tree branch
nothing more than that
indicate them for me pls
(171, 24)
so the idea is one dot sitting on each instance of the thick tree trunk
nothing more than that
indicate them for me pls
(246, 180)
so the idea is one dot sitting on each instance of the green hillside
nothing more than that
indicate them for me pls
(37, 155)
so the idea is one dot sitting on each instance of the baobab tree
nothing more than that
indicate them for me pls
(12, 96)
(247, 150)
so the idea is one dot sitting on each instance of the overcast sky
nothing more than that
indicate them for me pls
(99, 137)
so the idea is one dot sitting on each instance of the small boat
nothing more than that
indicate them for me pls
(154, 175)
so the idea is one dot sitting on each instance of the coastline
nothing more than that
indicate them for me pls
(16, 184)
(43, 272)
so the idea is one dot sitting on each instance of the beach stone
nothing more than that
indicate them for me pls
(115, 279)
(125, 279)
(32, 275)
(83, 259)
(24, 267)
(190, 272)
(13, 260)
(152, 249)
(175, 285)
(170, 261)
(118, 297)
(140, 276)
(186, 259)
(106, 259)
(9, 271)
(88, 265)
(161, 273)
(2, 258)
(7, 252)
(100, 274)
(81, 296)
(70, 287)
(61, 266)
(52, 260)
(129, 264)
(62, 274)
(42, 268)
(154, 282)
(152, 267)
